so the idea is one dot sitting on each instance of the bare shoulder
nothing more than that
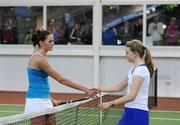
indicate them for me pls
(36, 60)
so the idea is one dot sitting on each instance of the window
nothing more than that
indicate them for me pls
(17, 24)
(163, 25)
(121, 24)
(70, 24)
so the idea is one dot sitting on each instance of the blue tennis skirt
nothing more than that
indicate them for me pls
(133, 116)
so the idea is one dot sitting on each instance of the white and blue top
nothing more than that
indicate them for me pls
(141, 100)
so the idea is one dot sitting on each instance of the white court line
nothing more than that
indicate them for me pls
(169, 119)
(11, 105)
(11, 111)
(164, 111)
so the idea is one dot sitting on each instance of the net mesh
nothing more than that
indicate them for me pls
(75, 113)
(84, 112)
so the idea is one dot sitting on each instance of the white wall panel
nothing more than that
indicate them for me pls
(112, 69)
(13, 76)
(14, 72)
(168, 77)
(88, 64)
(78, 69)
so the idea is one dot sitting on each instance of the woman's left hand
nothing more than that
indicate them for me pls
(104, 105)
(56, 102)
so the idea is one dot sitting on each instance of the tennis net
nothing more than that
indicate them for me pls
(83, 112)
(80, 112)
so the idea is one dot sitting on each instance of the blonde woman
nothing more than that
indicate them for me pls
(137, 83)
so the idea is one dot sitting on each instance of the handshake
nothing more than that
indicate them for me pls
(92, 92)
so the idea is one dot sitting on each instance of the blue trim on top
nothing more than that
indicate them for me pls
(138, 66)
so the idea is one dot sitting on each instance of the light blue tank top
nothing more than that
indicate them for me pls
(38, 84)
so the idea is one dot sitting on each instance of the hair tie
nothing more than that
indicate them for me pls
(144, 52)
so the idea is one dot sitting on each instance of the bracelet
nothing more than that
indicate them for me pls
(113, 103)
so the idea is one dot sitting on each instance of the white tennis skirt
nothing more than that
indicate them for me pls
(37, 104)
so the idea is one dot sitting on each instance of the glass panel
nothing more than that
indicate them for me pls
(70, 24)
(121, 23)
(17, 24)
(163, 25)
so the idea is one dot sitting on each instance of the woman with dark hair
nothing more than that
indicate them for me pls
(137, 83)
(38, 94)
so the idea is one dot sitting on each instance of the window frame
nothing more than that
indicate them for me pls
(96, 49)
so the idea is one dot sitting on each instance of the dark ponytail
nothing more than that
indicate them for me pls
(39, 36)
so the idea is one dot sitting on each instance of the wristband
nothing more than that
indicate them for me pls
(113, 103)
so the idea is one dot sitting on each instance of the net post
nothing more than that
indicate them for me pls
(155, 86)
(100, 112)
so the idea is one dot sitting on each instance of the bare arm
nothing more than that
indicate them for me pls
(129, 97)
(44, 65)
(116, 87)
(133, 92)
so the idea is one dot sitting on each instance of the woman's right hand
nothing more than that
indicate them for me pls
(98, 90)
(92, 93)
